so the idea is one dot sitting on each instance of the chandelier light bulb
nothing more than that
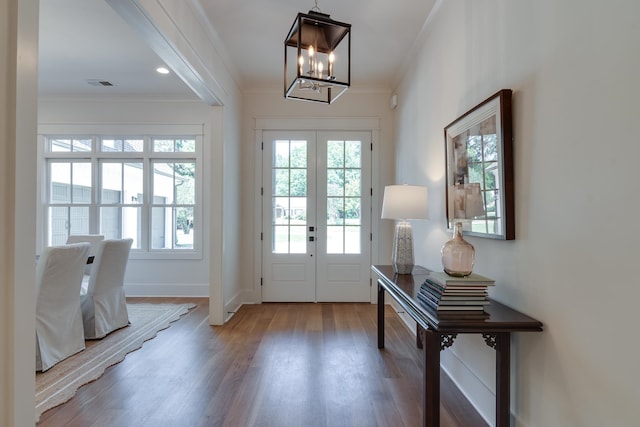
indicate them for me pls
(312, 64)
(332, 58)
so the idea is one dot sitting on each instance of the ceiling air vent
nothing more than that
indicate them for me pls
(98, 82)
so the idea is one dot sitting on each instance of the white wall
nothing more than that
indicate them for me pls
(573, 66)
(270, 104)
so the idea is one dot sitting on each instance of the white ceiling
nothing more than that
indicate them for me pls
(83, 40)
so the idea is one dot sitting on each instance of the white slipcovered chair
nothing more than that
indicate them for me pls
(92, 239)
(102, 297)
(59, 329)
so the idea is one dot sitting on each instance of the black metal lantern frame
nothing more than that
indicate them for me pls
(321, 47)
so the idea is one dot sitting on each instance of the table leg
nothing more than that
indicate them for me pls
(380, 316)
(431, 392)
(503, 366)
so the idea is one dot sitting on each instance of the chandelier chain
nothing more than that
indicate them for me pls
(316, 8)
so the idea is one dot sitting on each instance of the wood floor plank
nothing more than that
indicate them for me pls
(272, 364)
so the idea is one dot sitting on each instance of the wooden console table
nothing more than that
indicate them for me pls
(437, 331)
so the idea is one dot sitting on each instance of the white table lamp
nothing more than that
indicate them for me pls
(404, 202)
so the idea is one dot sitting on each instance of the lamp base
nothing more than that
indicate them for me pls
(402, 256)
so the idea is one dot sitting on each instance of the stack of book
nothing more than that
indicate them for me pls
(446, 293)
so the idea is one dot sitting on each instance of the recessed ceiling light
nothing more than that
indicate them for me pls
(162, 70)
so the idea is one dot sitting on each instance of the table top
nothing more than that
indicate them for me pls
(496, 317)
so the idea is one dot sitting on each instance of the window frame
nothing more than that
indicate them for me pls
(147, 157)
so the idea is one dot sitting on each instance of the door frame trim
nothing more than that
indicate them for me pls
(368, 124)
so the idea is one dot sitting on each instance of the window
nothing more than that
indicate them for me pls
(144, 188)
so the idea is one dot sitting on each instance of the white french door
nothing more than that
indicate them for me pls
(316, 206)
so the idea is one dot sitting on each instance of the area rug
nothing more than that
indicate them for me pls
(60, 383)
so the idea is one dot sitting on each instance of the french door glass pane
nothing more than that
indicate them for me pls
(289, 197)
(298, 183)
(352, 210)
(281, 154)
(298, 154)
(297, 240)
(352, 240)
(352, 183)
(335, 211)
(353, 154)
(335, 240)
(335, 182)
(280, 239)
(344, 192)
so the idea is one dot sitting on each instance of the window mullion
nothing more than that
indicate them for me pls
(147, 183)
(94, 212)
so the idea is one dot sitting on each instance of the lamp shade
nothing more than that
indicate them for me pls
(405, 202)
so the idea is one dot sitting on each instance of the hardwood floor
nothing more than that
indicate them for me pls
(284, 365)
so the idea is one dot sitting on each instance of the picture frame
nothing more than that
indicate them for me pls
(479, 169)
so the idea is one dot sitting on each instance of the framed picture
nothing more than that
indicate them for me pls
(479, 167)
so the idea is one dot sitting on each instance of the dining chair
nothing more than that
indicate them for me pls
(93, 239)
(59, 329)
(102, 297)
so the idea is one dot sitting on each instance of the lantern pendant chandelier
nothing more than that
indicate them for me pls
(317, 58)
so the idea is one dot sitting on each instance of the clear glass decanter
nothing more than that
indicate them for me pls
(458, 255)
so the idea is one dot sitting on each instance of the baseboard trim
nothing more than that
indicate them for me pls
(231, 307)
(166, 290)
